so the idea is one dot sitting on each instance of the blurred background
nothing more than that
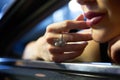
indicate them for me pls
(22, 21)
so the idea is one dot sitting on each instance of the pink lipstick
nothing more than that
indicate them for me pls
(94, 18)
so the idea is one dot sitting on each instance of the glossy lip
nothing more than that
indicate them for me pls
(94, 18)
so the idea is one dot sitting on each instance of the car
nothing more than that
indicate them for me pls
(22, 21)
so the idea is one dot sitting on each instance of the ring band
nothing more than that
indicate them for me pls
(60, 42)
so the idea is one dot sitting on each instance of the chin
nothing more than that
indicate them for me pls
(101, 36)
(100, 39)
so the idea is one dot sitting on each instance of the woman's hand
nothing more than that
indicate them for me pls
(45, 49)
(114, 49)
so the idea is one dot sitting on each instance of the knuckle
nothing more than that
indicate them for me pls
(49, 28)
(66, 23)
(48, 39)
(53, 50)
(50, 48)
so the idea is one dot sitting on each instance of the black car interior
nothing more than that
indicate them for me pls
(20, 18)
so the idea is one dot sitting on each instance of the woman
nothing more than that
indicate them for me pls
(102, 26)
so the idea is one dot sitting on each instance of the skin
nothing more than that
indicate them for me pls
(107, 30)
(75, 51)
(110, 22)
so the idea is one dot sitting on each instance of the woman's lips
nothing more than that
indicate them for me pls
(94, 18)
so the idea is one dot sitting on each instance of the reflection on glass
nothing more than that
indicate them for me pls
(4, 6)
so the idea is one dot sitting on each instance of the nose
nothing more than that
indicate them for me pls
(82, 2)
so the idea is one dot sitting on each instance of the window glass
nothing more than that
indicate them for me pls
(4, 6)
(68, 12)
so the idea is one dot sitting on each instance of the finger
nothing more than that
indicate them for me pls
(66, 26)
(75, 37)
(68, 48)
(114, 49)
(67, 56)
(70, 37)
(79, 18)
(52, 37)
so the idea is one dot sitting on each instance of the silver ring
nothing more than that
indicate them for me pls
(60, 42)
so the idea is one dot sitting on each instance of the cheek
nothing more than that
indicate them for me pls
(110, 26)
(113, 23)
(115, 27)
(115, 19)
(113, 11)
